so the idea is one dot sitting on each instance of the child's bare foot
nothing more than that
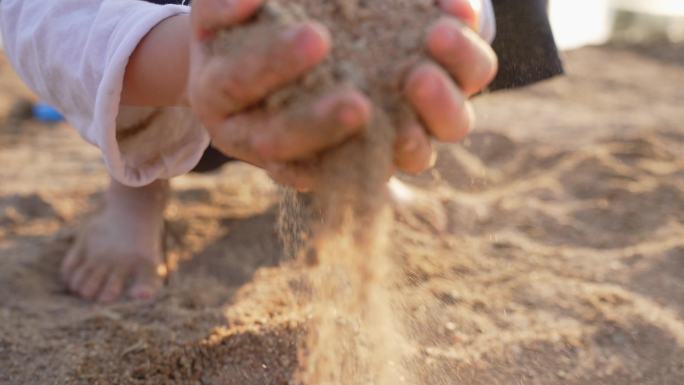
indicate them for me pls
(120, 248)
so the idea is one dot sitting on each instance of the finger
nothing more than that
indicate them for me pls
(112, 289)
(295, 134)
(257, 68)
(468, 11)
(468, 58)
(74, 259)
(307, 130)
(412, 150)
(209, 16)
(90, 287)
(442, 107)
(79, 276)
(147, 283)
(300, 176)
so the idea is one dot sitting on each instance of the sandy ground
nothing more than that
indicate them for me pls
(563, 262)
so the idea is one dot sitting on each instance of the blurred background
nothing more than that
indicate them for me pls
(576, 23)
(580, 22)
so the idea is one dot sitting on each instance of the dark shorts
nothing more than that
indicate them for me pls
(524, 43)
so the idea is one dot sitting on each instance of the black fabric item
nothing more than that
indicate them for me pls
(212, 160)
(524, 43)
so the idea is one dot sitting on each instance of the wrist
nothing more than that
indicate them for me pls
(157, 71)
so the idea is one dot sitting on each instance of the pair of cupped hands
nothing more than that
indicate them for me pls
(221, 88)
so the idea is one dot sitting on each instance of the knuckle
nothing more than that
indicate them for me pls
(236, 93)
(280, 67)
(418, 83)
(446, 38)
(264, 151)
(264, 147)
(201, 112)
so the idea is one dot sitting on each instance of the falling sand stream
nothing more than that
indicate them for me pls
(340, 231)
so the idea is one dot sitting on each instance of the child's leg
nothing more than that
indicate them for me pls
(120, 249)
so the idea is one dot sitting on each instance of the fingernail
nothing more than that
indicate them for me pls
(307, 41)
(409, 146)
(351, 111)
(350, 116)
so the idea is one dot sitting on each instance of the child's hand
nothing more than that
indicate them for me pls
(222, 88)
(439, 91)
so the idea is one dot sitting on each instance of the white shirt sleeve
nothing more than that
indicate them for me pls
(73, 54)
(487, 21)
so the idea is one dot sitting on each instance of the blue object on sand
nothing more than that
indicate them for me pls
(46, 113)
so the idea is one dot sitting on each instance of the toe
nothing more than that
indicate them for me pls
(113, 287)
(79, 276)
(73, 260)
(144, 291)
(147, 282)
(92, 284)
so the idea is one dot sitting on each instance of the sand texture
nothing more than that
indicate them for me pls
(562, 261)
